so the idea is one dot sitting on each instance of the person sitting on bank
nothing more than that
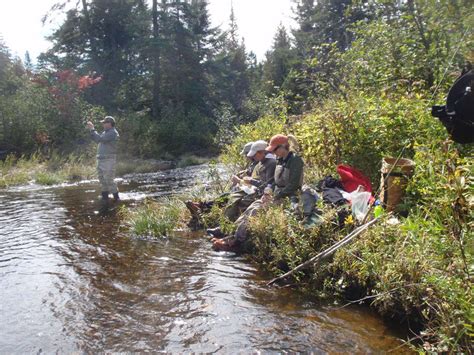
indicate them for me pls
(264, 171)
(251, 163)
(196, 208)
(290, 167)
(262, 175)
(106, 156)
(288, 177)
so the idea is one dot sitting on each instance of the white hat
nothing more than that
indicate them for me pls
(246, 148)
(256, 147)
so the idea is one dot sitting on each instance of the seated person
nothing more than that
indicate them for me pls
(250, 161)
(251, 187)
(288, 182)
(197, 207)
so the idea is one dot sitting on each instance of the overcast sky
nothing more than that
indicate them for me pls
(22, 30)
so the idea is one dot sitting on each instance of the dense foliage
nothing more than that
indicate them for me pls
(177, 84)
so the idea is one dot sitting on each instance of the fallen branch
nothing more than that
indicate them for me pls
(328, 252)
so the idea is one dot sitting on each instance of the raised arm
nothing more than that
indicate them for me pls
(107, 136)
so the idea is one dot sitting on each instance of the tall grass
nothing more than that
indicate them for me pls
(128, 165)
(55, 170)
(190, 160)
(48, 178)
(156, 218)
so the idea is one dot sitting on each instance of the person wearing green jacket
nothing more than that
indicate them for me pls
(289, 170)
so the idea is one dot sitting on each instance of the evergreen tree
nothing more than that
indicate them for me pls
(232, 71)
(327, 21)
(278, 61)
(28, 63)
(305, 34)
(156, 58)
(108, 38)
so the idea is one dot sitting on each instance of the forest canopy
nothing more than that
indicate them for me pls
(177, 84)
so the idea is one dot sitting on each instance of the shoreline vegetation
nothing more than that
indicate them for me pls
(417, 271)
(59, 169)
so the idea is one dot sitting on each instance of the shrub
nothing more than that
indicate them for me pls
(48, 178)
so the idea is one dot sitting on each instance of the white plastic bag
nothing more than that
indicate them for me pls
(249, 190)
(360, 204)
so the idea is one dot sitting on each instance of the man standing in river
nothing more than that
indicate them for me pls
(106, 156)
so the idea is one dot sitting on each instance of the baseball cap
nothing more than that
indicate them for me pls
(256, 147)
(246, 148)
(109, 119)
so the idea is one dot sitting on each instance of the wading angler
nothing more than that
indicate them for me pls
(106, 156)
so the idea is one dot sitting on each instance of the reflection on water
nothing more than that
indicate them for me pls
(71, 280)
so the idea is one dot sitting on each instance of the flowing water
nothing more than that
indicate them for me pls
(72, 280)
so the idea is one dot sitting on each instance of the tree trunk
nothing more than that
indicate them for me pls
(424, 38)
(156, 112)
(85, 10)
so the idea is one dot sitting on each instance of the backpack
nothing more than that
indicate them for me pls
(458, 113)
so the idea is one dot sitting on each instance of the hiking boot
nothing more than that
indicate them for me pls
(312, 220)
(223, 245)
(105, 196)
(215, 232)
(116, 196)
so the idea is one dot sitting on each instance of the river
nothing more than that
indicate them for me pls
(73, 280)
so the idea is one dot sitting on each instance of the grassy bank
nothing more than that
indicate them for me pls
(23, 170)
(59, 169)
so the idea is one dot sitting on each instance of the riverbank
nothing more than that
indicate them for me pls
(58, 169)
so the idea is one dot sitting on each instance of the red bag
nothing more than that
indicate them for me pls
(351, 178)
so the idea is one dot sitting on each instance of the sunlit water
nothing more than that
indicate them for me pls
(72, 280)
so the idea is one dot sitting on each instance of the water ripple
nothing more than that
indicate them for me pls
(70, 281)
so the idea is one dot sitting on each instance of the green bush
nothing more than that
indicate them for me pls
(363, 129)
(48, 178)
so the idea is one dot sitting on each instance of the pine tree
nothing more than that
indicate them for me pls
(107, 38)
(28, 63)
(234, 67)
(305, 35)
(278, 61)
(156, 53)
